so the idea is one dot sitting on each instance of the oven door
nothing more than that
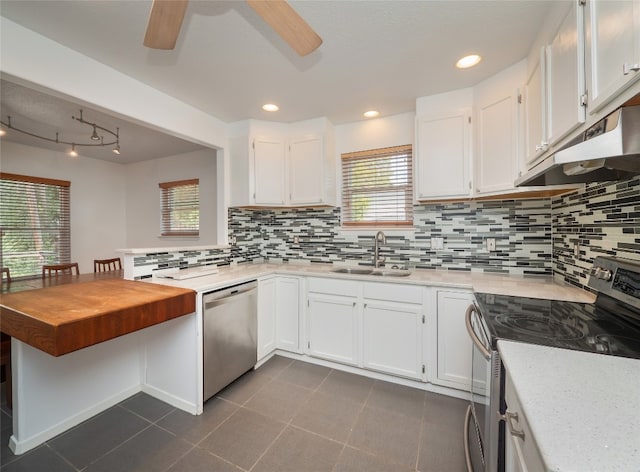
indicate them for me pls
(485, 399)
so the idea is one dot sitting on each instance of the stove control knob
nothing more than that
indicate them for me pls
(602, 274)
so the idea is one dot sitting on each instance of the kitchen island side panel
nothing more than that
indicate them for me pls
(53, 394)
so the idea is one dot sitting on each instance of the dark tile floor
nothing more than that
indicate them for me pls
(286, 416)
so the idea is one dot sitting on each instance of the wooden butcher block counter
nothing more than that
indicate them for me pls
(86, 310)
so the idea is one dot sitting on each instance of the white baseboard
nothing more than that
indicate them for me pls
(20, 447)
(172, 400)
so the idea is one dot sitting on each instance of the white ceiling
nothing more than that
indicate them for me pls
(228, 62)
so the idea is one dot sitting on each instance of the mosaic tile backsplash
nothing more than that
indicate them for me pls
(533, 237)
(521, 228)
(603, 219)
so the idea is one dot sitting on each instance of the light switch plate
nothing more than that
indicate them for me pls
(491, 244)
(437, 243)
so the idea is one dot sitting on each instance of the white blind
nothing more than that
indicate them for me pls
(34, 223)
(180, 208)
(377, 187)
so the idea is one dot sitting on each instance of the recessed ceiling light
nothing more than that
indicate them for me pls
(371, 113)
(468, 61)
(270, 107)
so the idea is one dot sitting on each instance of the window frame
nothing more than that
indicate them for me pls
(167, 226)
(61, 230)
(346, 159)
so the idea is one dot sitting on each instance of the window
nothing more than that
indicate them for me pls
(34, 223)
(377, 187)
(180, 208)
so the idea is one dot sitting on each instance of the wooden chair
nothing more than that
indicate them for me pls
(104, 265)
(5, 363)
(5, 270)
(59, 269)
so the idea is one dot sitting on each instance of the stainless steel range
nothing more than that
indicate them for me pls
(610, 326)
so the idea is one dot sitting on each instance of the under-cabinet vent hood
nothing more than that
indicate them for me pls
(608, 150)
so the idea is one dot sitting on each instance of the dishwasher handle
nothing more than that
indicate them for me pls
(219, 296)
(221, 301)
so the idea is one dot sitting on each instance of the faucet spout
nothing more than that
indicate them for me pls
(379, 239)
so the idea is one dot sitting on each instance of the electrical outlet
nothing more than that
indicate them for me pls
(296, 240)
(491, 244)
(437, 243)
(232, 240)
(576, 249)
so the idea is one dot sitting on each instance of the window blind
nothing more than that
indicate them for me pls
(377, 187)
(180, 208)
(35, 223)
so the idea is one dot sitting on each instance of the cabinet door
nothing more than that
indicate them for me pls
(565, 63)
(392, 338)
(613, 48)
(266, 317)
(306, 176)
(287, 313)
(443, 156)
(535, 97)
(269, 171)
(454, 343)
(333, 328)
(497, 146)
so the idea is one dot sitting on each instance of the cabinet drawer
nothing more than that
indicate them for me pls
(393, 292)
(334, 287)
(517, 429)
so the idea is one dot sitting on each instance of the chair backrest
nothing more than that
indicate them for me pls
(103, 265)
(60, 269)
(5, 270)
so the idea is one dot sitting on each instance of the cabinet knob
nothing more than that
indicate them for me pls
(627, 68)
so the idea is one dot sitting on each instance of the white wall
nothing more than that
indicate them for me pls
(97, 197)
(143, 198)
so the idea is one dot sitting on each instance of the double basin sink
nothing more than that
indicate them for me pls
(378, 272)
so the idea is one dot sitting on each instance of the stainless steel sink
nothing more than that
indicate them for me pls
(392, 272)
(352, 270)
(378, 272)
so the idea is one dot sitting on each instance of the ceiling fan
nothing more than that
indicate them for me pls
(166, 17)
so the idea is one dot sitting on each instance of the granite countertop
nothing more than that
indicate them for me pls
(583, 408)
(530, 286)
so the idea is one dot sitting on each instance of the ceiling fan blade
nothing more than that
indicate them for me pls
(164, 23)
(288, 24)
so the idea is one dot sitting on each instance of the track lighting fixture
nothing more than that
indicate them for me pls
(94, 135)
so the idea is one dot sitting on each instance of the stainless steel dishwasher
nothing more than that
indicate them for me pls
(230, 335)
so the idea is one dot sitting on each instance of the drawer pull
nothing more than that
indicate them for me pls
(512, 429)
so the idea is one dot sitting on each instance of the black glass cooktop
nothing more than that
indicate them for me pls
(606, 327)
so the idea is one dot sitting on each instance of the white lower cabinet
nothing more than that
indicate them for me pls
(392, 338)
(521, 452)
(333, 327)
(454, 345)
(266, 316)
(288, 313)
(278, 315)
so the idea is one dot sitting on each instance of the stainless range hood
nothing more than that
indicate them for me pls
(608, 150)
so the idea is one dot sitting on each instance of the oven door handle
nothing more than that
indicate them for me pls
(474, 337)
(467, 451)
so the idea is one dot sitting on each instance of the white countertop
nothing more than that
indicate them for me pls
(534, 286)
(583, 408)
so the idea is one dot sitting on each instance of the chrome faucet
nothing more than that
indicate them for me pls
(379, 239)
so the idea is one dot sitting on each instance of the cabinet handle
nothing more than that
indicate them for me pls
(627, 68)
(512, 429)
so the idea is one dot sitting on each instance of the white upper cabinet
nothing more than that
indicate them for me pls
(566, 76)
(269, 171)
(443, 141)
(275, 164)
(613, 49)
(535, 106)
(306, 171)
(497, 131)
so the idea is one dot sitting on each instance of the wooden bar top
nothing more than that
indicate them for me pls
(73, 312)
